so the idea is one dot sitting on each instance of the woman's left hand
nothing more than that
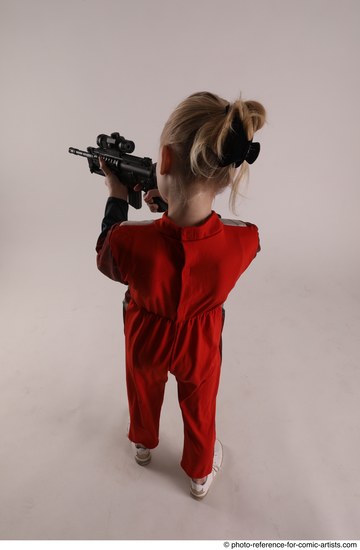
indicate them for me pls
(116, 188)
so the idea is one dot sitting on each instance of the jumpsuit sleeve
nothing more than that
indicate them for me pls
(255, 228)
(116, 211)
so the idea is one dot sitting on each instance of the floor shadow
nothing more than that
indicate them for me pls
(166, 462)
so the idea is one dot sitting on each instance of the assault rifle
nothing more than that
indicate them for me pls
(131, 170)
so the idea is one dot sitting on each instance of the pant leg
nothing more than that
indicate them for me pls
(197, 370)
(198, 407)
(145, 397)
(147, 347)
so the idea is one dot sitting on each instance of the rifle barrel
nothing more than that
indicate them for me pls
(81, 153)
(94, 154)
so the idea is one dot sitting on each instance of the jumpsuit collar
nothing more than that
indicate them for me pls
(209, 227)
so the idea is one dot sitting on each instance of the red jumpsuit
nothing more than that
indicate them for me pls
(179, 278)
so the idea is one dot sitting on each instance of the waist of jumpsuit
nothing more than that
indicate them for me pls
(132, 304)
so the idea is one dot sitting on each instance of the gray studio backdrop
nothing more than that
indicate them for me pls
(288, 403)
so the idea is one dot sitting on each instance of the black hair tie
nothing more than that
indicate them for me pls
(237, 147)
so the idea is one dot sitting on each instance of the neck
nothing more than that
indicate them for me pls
(192, 211)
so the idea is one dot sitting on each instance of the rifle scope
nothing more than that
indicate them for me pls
(115, 141)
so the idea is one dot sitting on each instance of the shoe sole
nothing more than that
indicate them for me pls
(143, 461)
(199, 497)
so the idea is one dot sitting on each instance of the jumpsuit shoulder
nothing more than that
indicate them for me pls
(129, 228)
(253, 231)
(238, 223)
(126, 230)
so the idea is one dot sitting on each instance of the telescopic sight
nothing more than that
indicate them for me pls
(115, 141)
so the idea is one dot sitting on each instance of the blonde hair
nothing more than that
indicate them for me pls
(197, 130)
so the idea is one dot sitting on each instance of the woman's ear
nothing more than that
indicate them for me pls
(165, 160)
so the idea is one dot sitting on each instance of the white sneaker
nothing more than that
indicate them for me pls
(198, 490)
(142, 455)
